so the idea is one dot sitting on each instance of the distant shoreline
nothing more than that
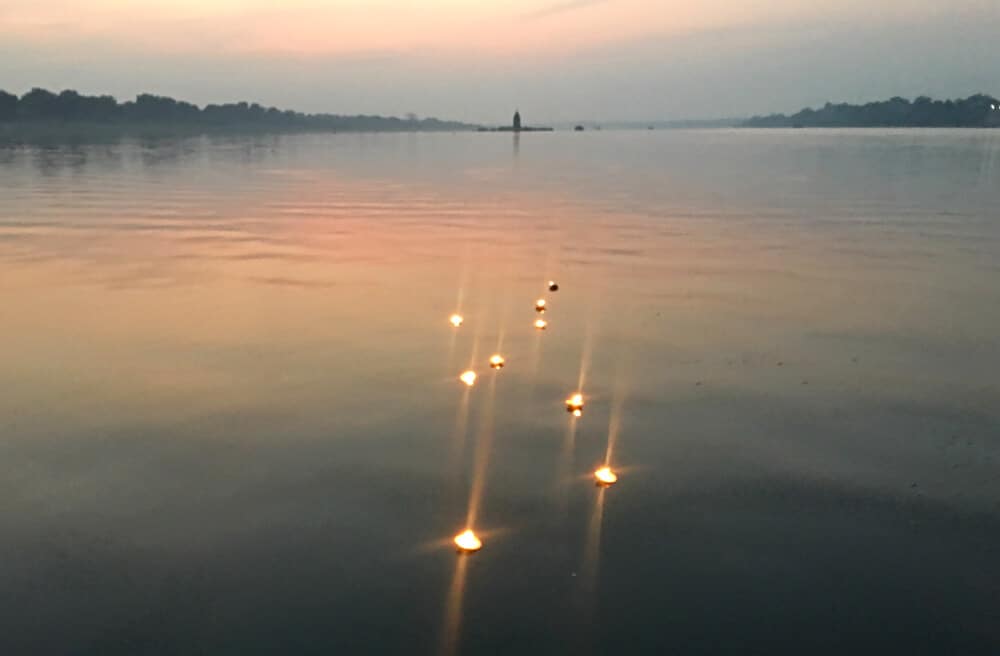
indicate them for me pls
(40, 131)
(41, 114)
(977, 111)
(82, 133)
(513, 130)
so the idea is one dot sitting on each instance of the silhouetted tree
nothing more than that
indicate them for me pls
(8, 106)
(70, 106)
(38, 104)
(975, 111)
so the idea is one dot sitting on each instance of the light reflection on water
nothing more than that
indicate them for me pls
(230, 400)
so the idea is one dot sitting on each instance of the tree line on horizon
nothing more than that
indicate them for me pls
(40, 105)
(978, 110)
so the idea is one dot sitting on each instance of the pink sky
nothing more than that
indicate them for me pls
(524, 46)
(350, 27)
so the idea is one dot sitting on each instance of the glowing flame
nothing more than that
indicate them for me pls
(540, 305)
(605, 476)
(541, 324)
(578, 412)
(497, 361)
(468, 541)
(574, 404)
(469, 378)
(456, 320)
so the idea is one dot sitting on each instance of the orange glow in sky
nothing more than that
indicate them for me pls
(342, 27)
(478, 60)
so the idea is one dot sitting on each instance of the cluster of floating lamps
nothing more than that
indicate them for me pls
(468, 541)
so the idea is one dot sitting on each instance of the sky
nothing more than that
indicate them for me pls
(478, 60)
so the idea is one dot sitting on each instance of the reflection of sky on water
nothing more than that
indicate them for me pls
(231, 411)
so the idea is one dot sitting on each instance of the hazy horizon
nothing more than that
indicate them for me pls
(598, 60)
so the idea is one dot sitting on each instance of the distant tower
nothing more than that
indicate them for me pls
(517, 120)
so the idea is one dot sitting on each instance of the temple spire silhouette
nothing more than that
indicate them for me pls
(516, 126)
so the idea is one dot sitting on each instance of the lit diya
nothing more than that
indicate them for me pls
(469, 378)
(467, 542)
(541, 324)
(497, 362)
(456, 320)
(605, 477)
(553, 287)
(540, 305)
(574, 405)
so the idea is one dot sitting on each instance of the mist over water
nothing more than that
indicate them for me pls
(230, 419)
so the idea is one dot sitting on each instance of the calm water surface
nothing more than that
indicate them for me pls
(230, 421)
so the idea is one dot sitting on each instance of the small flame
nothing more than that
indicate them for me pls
(497, 361)
(605, 476)
(469, 378)
(553, 286)
(456, 320)
(574, 404)
(468, 541)
(540, 305)
(541, 324)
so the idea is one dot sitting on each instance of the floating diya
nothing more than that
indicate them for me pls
(605, 477)
(468, 542)
(541, 324)
(497, 362)
(574, 404)
(540, 305)
(553, 287)
(456, 320)
(469, 378)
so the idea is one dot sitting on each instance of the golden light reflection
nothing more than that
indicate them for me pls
(617, 409)
(456, 320)
(452, 625)
(587, 353)
(458, 436)
(468, 541)
(540, 305)
(497, 361)
(484, 447)
(541, 324)
(469, 378)
(564, 466)
(590, 565)
(605, 476)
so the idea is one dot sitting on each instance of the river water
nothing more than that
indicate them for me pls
(231, 420)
